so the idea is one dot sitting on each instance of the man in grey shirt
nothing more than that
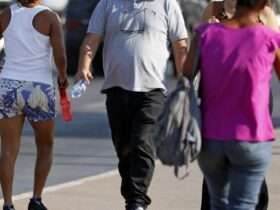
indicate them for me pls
(138, 37)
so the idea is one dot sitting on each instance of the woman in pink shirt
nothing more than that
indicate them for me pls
(236, 57)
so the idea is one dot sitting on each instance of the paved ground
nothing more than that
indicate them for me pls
(83, 149)
(168, 193)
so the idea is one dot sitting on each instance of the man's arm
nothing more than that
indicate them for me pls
(87, 53)
(180, 55)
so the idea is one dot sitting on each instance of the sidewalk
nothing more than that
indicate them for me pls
(167, 192)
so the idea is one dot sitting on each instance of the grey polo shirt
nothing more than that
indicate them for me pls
(137, 38)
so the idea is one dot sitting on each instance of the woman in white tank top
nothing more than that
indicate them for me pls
(32, 35)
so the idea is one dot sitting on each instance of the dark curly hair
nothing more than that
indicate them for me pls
(252, 3)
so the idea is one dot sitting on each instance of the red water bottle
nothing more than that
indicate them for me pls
(65, 105)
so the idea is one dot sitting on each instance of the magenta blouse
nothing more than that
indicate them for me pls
(236, 68)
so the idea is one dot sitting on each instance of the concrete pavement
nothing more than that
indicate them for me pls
(168, 193)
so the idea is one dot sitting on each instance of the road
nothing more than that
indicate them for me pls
(83, 147)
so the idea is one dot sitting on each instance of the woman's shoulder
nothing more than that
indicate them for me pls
(259, 30)
(265, 34)
(267, 30)
(47, 15)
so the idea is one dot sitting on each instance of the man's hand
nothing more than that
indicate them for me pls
(84, 75)
(87, 53)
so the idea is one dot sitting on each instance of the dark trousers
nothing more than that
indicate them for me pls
(132, 117)
(262, 204)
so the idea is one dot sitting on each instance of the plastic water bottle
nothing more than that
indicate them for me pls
(65, 105)
(78, 89)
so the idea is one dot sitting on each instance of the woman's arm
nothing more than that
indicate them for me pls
(57, 42)
(268, 18)
(188, 68)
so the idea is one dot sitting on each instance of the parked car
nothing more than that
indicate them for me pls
(77, 18)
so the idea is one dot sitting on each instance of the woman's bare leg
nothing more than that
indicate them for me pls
(10, 130)
(44, 142)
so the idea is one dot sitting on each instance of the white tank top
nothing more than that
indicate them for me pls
(28, 52)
